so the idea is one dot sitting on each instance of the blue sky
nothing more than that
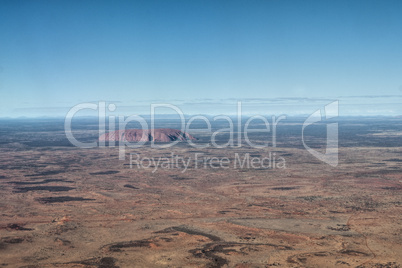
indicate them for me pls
(280, 56)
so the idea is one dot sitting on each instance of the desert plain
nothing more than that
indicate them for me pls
(63, 206)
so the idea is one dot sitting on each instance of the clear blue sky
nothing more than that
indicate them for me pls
(56, 54)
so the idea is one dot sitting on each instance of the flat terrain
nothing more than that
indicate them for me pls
(62, 206)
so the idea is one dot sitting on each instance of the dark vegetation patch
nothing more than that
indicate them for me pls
(166, 239)
(11, 167)
(189, 231)
(321, 254)
(285, 188)
(377, 164)
(48, 144)
(131, 186)
(303, 257)
(381, 265)
(10, 240)
(334, 211)
(18, 227)
(108, 172)
(362, 203)
(340, 227)
(224, 211)
(195, 232)
(395, 168)
(106, 262)
(13, 240)
(178, 178)
(394, 160)
(354, 252)
(309, 198)
(210, 251)
(44, 188)
(45, 173)
(116, 247)
(392, 188)
(62, 199)
(377, 172)
(39, 182)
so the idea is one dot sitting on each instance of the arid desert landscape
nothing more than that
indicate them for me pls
(63, 206)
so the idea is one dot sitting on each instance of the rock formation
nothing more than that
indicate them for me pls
(138, 135)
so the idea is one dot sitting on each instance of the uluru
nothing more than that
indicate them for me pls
(138, 135)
